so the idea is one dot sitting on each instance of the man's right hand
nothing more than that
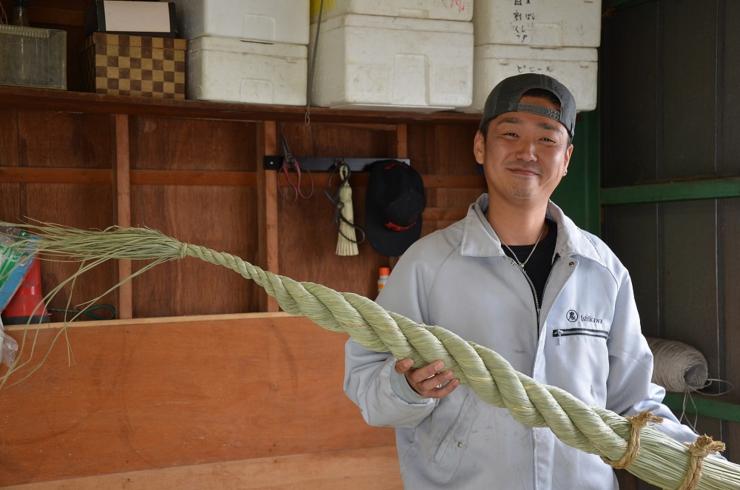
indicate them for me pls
(429, 381)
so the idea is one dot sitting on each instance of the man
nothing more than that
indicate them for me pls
(518, 276)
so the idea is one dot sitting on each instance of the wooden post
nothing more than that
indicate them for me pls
(122, 187)
(267, 196)
(402, 143)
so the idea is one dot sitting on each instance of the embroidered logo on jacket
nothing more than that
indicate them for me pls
(573, 316)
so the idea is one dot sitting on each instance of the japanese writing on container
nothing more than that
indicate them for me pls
(523, 20)
(534, 69)
(460, 4)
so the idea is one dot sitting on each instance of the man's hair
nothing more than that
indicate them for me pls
(535, 92)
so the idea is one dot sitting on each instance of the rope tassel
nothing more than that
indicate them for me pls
(657, 458)
(347, 239)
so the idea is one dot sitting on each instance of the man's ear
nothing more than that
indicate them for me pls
(568, 154)
(479, 147)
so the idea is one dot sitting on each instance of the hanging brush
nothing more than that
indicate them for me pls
(347, 239)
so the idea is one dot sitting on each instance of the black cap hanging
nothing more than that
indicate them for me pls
(394, 205)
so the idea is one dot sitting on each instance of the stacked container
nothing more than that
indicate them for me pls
(395, 54)
(33, 57)
(537, 36)
(252, 51)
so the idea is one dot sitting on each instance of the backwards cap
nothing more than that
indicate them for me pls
(506, 96)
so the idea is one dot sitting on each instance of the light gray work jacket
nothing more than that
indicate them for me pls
(585, 338)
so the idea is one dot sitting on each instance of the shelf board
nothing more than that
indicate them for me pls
(49, 99)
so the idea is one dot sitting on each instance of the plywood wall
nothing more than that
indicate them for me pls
(176, 400)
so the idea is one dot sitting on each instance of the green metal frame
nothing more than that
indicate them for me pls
(578, 192)
(706, 407)
(672, 191)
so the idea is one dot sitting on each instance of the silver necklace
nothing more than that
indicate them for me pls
(522, 264)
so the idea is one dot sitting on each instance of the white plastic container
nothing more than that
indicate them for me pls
(228, 69)
(538, 23)
(417, 9)
(576, 68)
(369, 61)
(277, 21)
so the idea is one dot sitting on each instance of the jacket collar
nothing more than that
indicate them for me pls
(480, 239)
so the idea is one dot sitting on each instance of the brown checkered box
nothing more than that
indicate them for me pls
(119, 64)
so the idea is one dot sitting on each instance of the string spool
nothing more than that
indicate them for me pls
(678, 367)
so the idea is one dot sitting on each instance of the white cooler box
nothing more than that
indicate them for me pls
(574, 67)
(542, 23)
(278, 21)
(370, 61)
(228, 69)
(418, 9)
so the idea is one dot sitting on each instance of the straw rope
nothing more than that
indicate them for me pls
(654, 457)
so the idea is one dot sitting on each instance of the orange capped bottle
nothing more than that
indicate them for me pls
(383, 274)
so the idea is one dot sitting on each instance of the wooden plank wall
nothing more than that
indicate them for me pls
(195, 179)
(201, 181)
(226, 401)
(222, 216)
(48, 141)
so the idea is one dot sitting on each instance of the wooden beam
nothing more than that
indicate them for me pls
(267, 207)
(96, 176)
(122, 185)
(157, 393)
(38, 175)
(193, 177)
(402, 143)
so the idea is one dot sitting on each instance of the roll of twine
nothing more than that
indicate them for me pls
(678, 367)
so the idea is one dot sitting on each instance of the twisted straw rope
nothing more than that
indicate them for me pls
(660, 461)
(487, 373)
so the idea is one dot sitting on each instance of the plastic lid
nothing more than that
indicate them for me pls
(384, 271)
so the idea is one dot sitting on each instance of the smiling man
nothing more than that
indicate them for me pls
(520, 277)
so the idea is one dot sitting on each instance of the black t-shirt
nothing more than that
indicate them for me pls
(539, 265)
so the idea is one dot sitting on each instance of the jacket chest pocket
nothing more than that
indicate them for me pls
(560, 333)
(578, 361)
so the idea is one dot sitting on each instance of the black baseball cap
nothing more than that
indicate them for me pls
(394, 202)
(506, 96)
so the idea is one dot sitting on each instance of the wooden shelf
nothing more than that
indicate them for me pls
(48, 99)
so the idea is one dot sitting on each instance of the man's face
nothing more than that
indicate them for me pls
(524, 155)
